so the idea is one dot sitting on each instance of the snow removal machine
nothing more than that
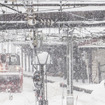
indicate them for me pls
(11, 74)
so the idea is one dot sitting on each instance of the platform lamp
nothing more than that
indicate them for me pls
(43, 59)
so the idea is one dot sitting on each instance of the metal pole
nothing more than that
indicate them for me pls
(71, 64)
(99, 72)
(22, 57)
(70, 70)
(25, 63)
(60, 5)
(37, 6)
(68, 46)
(43, 91)
(28, 62)
(8, 47)
(43, 88)
(32, 61)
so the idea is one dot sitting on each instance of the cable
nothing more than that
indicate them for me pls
(10, 8)
(63, 9)
(76, 16)
(58, 9)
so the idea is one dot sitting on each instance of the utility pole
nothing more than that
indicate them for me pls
(70, 100)
(25, 61)
(22, 57)
(60, 5)
(37, 6)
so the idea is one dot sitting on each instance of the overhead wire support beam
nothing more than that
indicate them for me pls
(10, 8)
(10, 26)
(63, 4)
(82, 15)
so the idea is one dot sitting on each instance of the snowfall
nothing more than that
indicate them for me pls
(56, 94)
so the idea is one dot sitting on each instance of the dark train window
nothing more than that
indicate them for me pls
(3, 58)
(14, 60)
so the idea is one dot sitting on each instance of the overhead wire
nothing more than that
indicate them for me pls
(82, 17)
(73, 15)
(48, 10)
(19, 13)
(10, 8)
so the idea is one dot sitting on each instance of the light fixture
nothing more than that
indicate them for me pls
(43, 58)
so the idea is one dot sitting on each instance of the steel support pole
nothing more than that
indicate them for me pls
(43, 89)
(22, 57)
(28, 62)
(70, 100)
(25, 63)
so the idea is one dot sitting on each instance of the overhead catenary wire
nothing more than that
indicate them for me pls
(66, 3)
(69, 13)
(76, 16)
(10, 8)
(54, 10)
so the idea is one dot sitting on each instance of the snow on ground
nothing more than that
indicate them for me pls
(25, 98)
(56, 94)
(98, 95)
(96, 98)
(85, 85)
(80, 98)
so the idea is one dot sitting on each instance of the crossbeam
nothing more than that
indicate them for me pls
(55, 16)
(59, 4)
(11, 26)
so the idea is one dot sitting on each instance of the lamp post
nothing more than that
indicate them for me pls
(42, 59)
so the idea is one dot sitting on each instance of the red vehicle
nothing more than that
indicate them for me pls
(11, 74)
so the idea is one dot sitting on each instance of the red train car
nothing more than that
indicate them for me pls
(11, 74)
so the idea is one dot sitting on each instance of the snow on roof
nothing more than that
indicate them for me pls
(92, 46)
(9, 73)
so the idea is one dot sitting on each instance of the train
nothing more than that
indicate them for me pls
(11, 73)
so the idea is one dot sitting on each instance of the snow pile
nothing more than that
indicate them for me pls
(98, 94)
(97, 97)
